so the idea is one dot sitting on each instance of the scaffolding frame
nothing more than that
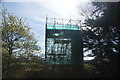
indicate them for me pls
(59, 34)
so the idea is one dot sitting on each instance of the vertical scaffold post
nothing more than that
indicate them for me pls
(46, 39)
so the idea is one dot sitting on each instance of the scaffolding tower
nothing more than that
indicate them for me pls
(63, 43)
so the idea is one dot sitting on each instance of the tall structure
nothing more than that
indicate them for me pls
(64, 42)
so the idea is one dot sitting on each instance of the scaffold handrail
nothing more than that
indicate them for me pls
(61, 27)
(62, 24)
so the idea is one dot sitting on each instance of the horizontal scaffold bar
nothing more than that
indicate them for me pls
(61, 27)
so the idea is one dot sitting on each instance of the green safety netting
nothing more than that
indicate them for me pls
(61, 27)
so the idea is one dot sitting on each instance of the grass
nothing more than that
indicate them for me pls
(36, 70)
(88, 67)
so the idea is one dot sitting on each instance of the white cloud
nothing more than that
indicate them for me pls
(60, 8)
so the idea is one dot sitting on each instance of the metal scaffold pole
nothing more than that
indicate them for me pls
(65, 43)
